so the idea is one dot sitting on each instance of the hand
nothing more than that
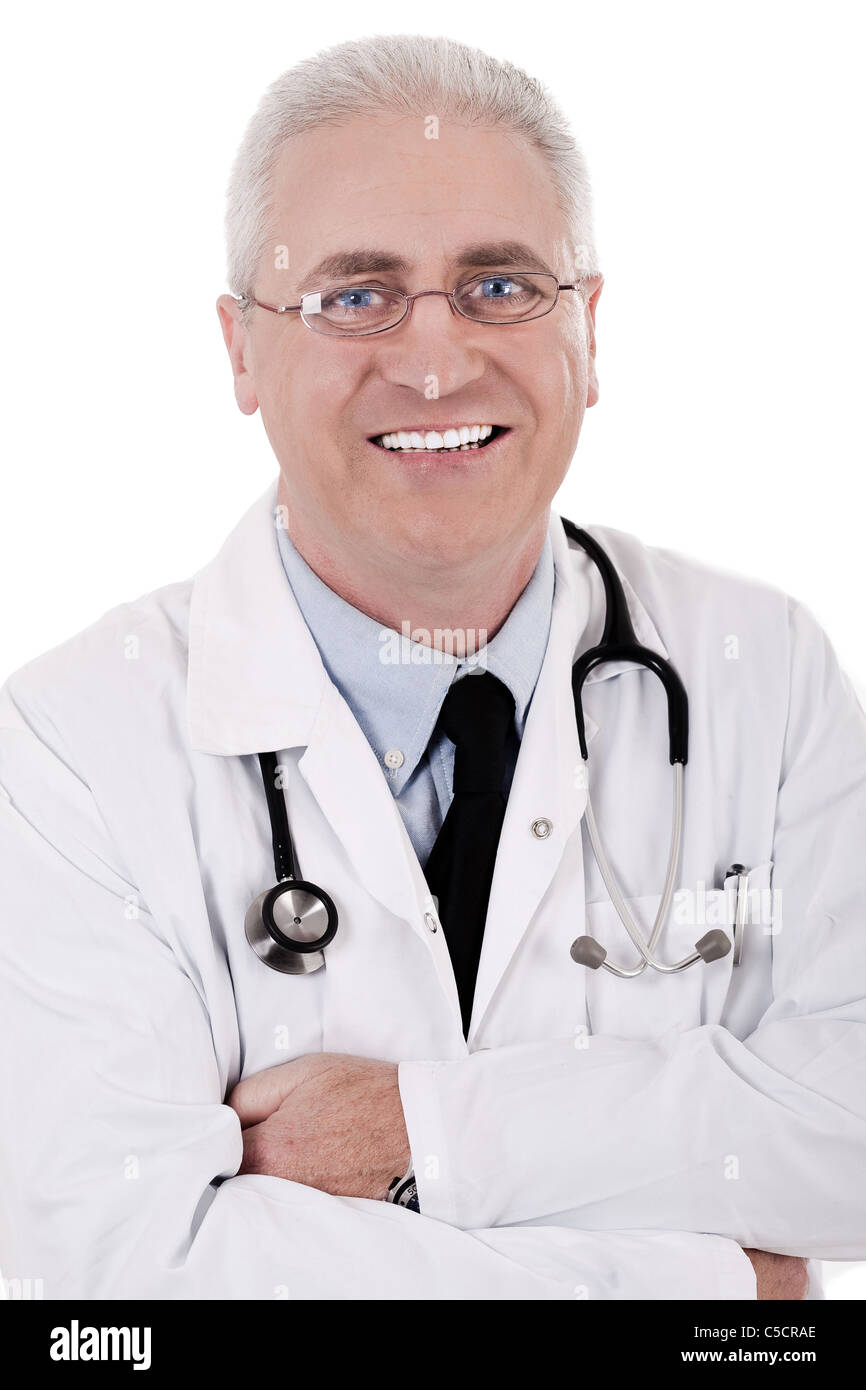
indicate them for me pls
(779, 1276)
(328, 1121)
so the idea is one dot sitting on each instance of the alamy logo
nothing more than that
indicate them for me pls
(76, 1343)
(421, 647)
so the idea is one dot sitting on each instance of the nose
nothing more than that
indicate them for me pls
(434, 350)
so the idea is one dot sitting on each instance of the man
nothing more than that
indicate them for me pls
(415, 295)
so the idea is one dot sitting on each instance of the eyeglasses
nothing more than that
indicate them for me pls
(355, 311)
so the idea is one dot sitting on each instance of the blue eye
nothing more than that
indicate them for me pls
(354, 299)
(497, 287)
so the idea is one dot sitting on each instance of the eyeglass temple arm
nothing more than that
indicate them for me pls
(271, 308)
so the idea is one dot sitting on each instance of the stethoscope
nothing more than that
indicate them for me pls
(289, 925)
(619, 643)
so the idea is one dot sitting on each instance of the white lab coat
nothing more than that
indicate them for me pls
(595, 1138)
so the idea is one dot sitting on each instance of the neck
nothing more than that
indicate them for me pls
(438, 605)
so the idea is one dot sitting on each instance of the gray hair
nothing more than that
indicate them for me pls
(409, 74)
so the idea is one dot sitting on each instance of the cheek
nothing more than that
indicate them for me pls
(563, 392)
(287, 390)
(306, 393)
(560, 376)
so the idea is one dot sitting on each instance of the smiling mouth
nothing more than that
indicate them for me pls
(450, 440)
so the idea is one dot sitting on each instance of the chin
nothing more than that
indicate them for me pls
(442, 535)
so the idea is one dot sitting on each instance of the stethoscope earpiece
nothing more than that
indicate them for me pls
(587, 951)
(713, 946)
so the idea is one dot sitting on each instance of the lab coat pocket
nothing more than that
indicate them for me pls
(652, 1003)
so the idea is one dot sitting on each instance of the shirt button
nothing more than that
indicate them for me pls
(541, 828)
(394, 758)
(430, 922)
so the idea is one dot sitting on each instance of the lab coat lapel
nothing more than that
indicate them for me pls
(548, 785)
(342, 772)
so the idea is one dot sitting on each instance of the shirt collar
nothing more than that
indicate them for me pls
(394, 686)
(256, 680)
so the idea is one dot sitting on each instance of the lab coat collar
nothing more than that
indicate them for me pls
(256, 681)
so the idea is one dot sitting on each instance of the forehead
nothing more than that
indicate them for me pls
(382, 182)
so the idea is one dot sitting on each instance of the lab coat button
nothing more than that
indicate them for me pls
(394, 759)
(431, 922)
(541, 828)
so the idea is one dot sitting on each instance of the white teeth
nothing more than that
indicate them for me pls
(454, 437)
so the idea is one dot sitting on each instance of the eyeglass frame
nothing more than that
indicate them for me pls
(409, 300)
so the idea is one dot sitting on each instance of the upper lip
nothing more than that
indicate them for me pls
(445, 425)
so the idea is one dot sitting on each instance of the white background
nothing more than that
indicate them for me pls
(724, 143)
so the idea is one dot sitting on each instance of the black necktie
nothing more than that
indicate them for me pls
(476, 715)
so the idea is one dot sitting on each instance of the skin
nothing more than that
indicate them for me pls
(443, 542)
(328, 1121)
(779, 1277)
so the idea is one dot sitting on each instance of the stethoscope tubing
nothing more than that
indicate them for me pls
(644, 948)
(618, 643)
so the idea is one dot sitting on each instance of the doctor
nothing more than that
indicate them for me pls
(180, 1120)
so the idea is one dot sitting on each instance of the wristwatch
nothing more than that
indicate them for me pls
(403, 1192)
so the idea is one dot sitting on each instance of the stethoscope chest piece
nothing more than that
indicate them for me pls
(289, 926)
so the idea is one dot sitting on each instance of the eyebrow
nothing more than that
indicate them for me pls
(503, 255)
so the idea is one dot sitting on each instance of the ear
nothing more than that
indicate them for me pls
(595, 284)
(237, 341)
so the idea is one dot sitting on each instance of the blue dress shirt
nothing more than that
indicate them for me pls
(395, 687)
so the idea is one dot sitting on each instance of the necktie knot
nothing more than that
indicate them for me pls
(476, 715)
